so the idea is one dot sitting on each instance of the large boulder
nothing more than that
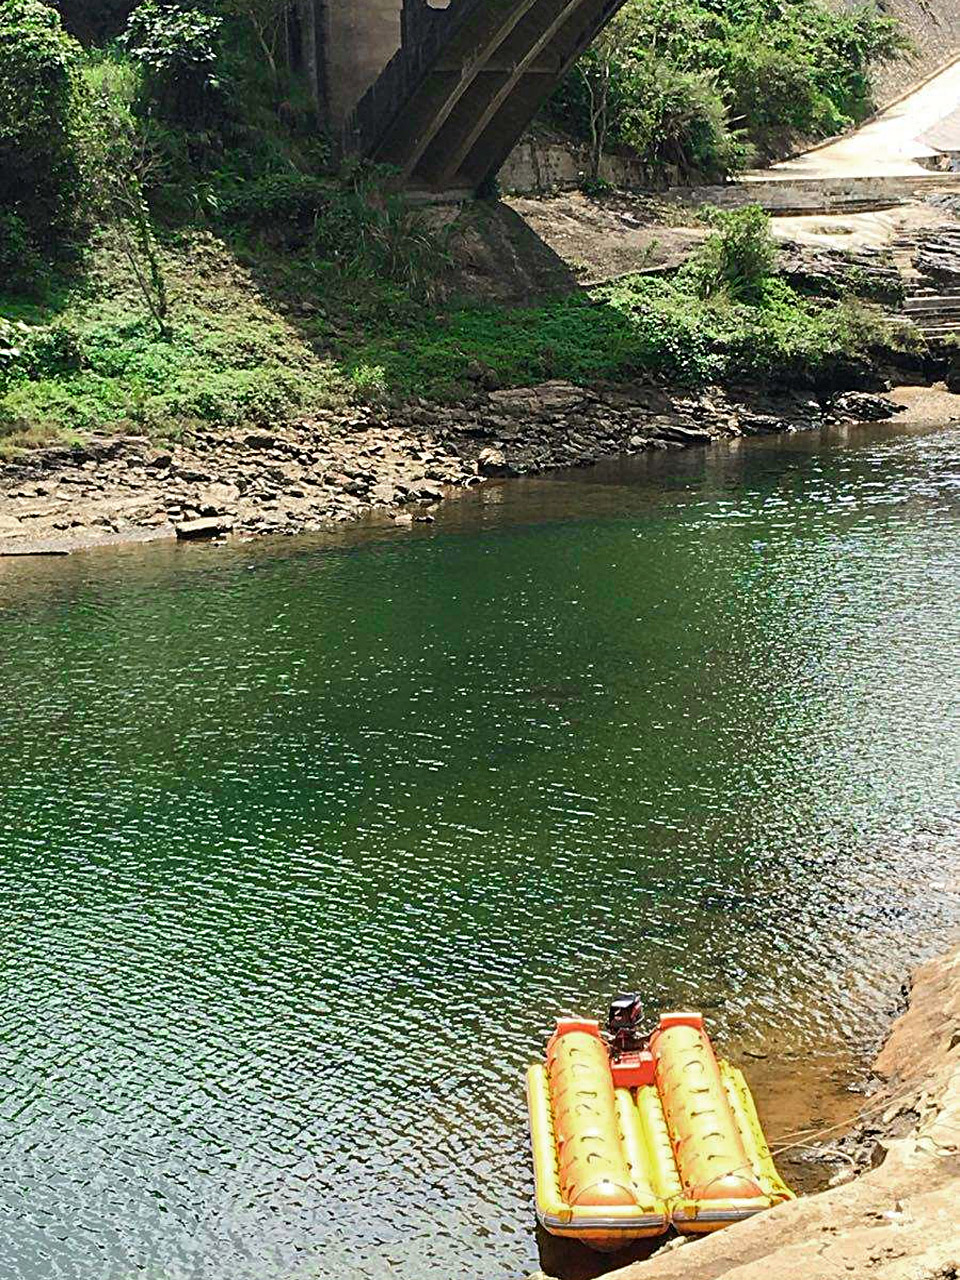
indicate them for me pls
(545, 399)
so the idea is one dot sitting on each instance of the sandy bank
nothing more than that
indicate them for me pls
(898, 1221)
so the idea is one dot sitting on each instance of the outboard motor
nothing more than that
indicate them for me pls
(624, 1025)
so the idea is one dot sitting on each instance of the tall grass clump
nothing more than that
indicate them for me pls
(738, 259)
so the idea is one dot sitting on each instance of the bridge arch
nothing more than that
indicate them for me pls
(467, 80)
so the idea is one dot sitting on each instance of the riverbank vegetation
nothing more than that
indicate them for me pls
(724, 317)
(176, 249)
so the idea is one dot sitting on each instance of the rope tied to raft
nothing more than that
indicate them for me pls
(809, 1137)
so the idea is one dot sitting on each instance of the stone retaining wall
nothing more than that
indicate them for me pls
(933, 26)
(537, 166)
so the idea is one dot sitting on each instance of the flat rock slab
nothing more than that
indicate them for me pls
(32, 549)
(685, 435)
(83, 539)
(897, 1221)
(211, 527)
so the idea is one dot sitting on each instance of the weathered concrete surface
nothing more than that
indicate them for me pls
(540, 164)
(784, 193)
(467, 81)
(619, 233)
(934, 28)
(597, 238)
(358, 38)
(901, 1220)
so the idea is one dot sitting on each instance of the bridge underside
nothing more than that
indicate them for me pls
(467, 81)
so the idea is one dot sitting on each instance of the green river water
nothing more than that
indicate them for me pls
(303, 845)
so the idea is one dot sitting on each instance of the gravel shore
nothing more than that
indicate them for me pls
(340, 466)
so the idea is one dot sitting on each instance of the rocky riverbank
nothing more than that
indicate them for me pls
(898, 1219)
(339, 466)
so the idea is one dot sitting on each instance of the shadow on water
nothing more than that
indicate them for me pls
(568, 1260)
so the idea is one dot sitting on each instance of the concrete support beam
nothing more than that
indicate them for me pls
(496, 98)
(466, 83)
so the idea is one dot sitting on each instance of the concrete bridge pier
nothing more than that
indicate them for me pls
(441, 90)
(355, 40)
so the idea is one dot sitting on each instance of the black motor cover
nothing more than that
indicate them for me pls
(624, 1023)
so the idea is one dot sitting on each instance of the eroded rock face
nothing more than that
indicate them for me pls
(937, 255)
(337, 466)
(898, 1221)
(833, 273)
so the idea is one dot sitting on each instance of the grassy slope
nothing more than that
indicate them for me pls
(272, 340)
(234, 357)
(639, 326)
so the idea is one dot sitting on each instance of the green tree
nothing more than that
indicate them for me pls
(123, 164)
(42, 181)
(265, 18)
(178, 49)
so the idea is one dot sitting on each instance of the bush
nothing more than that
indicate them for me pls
(178, 48)
(42, 188)
(738, 259)
(775, 94)
(292, 201)
(677, 120)
(633, 326)
(28, 351)
(22, 267)
(364, 234)
(691, 70)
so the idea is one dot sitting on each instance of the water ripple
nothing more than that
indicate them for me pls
(304, 846)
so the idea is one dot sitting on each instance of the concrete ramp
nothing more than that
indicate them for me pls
(467, 80)
(890, 145)
(945, 135)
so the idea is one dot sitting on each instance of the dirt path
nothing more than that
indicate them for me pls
(597, 240)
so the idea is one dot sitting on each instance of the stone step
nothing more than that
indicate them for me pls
(922, 302)
(932, 314)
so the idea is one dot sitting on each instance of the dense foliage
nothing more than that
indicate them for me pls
(224, 272)
(93, 359)
(94, 21)
(178, 49)
(697, 86)
(637, 326)
(41, 139)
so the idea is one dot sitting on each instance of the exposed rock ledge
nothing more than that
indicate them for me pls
(339, 465)
(898, 1221)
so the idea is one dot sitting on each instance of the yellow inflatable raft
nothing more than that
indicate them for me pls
(631, 1140)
